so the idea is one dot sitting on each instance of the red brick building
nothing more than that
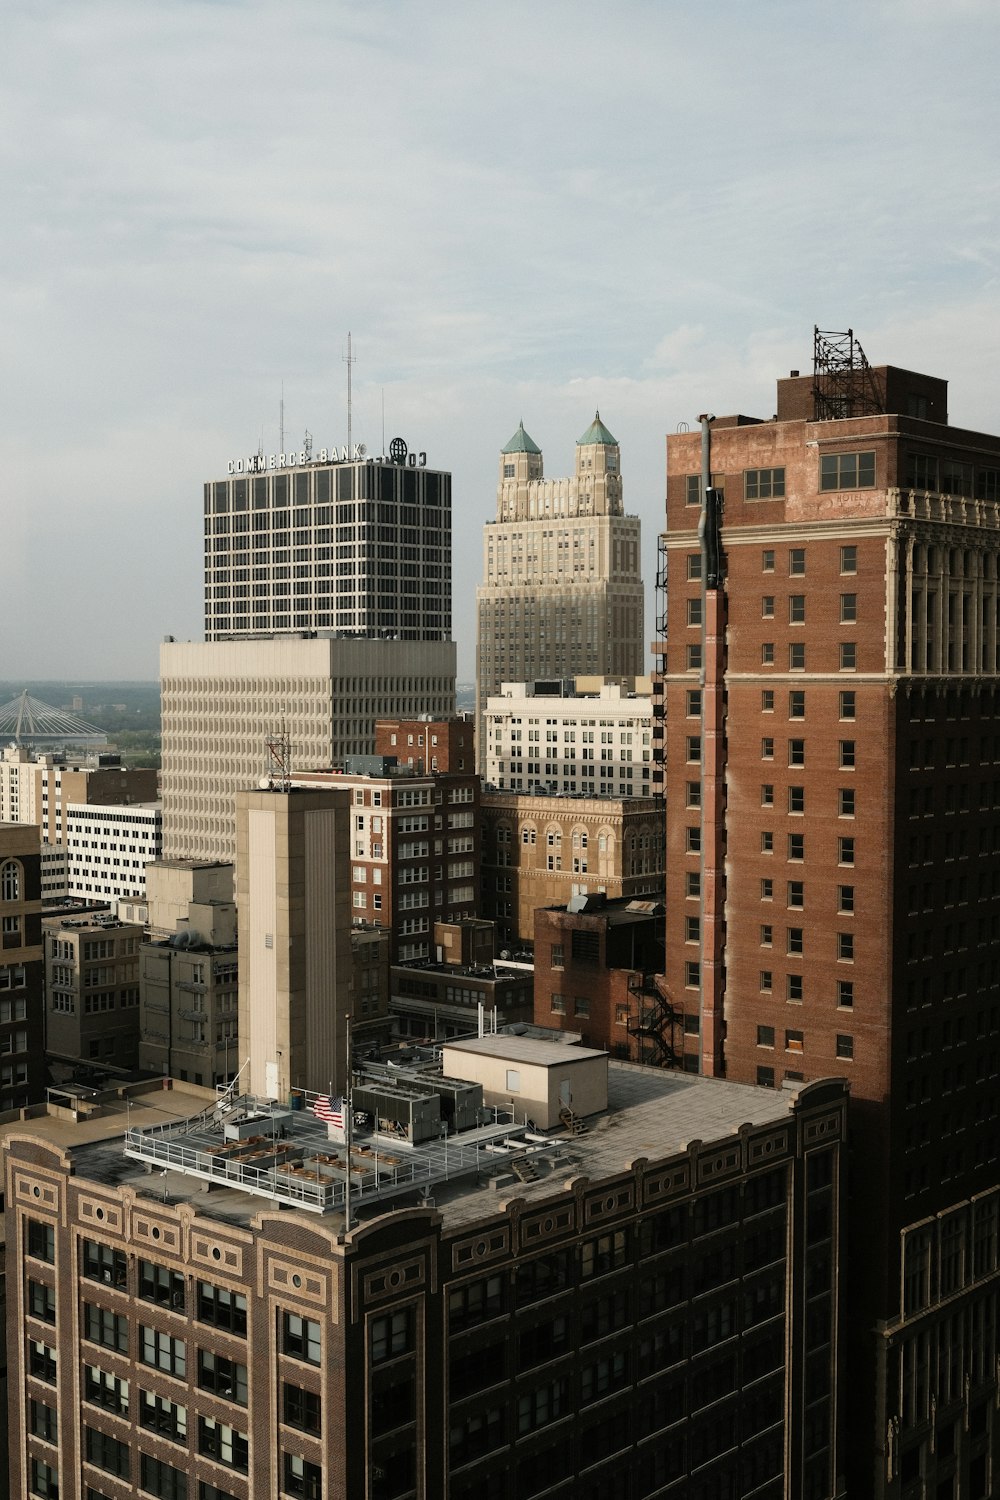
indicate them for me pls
(832, 686)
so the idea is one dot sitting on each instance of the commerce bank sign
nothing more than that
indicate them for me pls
(357, 453)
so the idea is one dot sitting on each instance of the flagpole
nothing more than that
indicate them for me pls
(348, 1122)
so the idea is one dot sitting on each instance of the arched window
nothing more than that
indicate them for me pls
(10, 881)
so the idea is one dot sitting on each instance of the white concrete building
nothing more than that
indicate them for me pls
(222, 700)
(590, 738)
(109, 848)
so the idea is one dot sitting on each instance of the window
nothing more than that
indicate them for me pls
(767, 654)
(41, 1240)
(847, 755)
(796, 752)
(694, 611)
(223, 1308)
(693, 702)
(301, 1408)
(767, 890)
(849, 559)
(158, 1414)
(43, 1422)
(581, 1006)
(767, 842)
(767, 607)
(796, 799)
(794, 1041)
(301, 1338)
(765, 1078)
(767, 748)
(766, 981)
(797, 656)
(303, 1479)
(557, 1005)
(796, 846)
(693, 840)
(692, 489)
(845, 1046)
(692, 884)
(796, 609)
(693, 794)
(161, 1479)
(767, 701)
(848, 656)
(845, 898)
(692, 975)
(845, 851)
(158, 1284)
(41, 1301)
(693, 748)
(765, 1036)
(847, 471)
(42, 1361)
(767, 795)
(848, 609)
(794, 940)
(104, 1389)
(224, 1444)
(845, 993)
(767, 560)
(694, 658)
(10, 881)
(223, 1376)
(391, 1335)
(44, 1480)
(794, 988)
(106, 1452)
(692, 929)
(845, 801)
(845, 946)
(847, 705)
(763, 484)
(766, 935)
(694, 567)
(796, 894)
(107, 1328)
(101, 1263)
(797, 703)
(163, 1352)
(796, 562)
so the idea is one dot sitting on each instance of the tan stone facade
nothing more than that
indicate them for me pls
(542, 851)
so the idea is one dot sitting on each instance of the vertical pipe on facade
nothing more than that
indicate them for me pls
(712, 769)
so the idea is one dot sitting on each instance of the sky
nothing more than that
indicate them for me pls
(519, 210)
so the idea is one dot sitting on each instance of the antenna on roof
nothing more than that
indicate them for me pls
(281, 420)
(279, 768)
(349, 359)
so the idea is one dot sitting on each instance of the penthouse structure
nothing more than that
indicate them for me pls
(832, 688)
(649, 1307)
(562, 591)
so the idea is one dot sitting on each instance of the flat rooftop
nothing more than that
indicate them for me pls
(176, 1149)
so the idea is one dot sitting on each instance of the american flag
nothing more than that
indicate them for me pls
(330, 1110)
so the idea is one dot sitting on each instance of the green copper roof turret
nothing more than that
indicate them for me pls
(597, 433)
(521, 442)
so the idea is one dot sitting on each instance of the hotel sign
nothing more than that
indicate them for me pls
(260, 463)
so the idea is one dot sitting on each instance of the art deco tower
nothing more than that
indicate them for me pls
(562, 594)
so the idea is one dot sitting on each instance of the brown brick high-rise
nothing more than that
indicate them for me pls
(857, 891)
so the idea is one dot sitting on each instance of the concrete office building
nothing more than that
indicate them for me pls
(108, 849)
(545, 850)
(832, 675)
(649, 1308)
(91, 992)
(222, 701)
(22, 968)
(296, 969)
(317, 543)
(585, 736)
(562, 591)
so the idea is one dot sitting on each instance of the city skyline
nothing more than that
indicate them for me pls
(189, 231)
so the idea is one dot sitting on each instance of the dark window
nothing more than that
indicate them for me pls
(845, 1046)
(476, 1302)
(106, 1452)
(694, 566)
(585, 947)
(158, 1414)
(847, 755)
(797, 656)
(796, 799)
(848, 702)
(158, 1284)
(224, 1444)
(848, 608)
(43, 1422)
(608, 1252)
(391, 1335)
(848, 656)
(161, 1479)
(765, 1036)
(845, 992)
(41, 1301)
(797, 703)
(44, 1480)
(101, 1263)
(845, 851)
(305, 1480)
(163, 1352)
(41, 1240)
(796, 609)
(301, 1408)
(223, 1376)
(103, 1327)
(845, 945)
(796, 752)
(104, 1389)
(223, 1308)
(796, 846)
(763, 484)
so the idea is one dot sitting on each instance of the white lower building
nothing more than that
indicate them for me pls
(108, 849)
(585, 737)
(221, 701)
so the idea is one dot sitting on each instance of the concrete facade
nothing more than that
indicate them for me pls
(108, 849)
(588, 736)
(562, 590)
(92, 992)
(222, 701)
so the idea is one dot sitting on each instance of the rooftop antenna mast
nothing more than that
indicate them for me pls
(349, 360)
(281, 420)
(279, 760)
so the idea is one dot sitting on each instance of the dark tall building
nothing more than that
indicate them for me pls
(312, 542)
(832, 683)
(649, 1308)
(22, 967)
